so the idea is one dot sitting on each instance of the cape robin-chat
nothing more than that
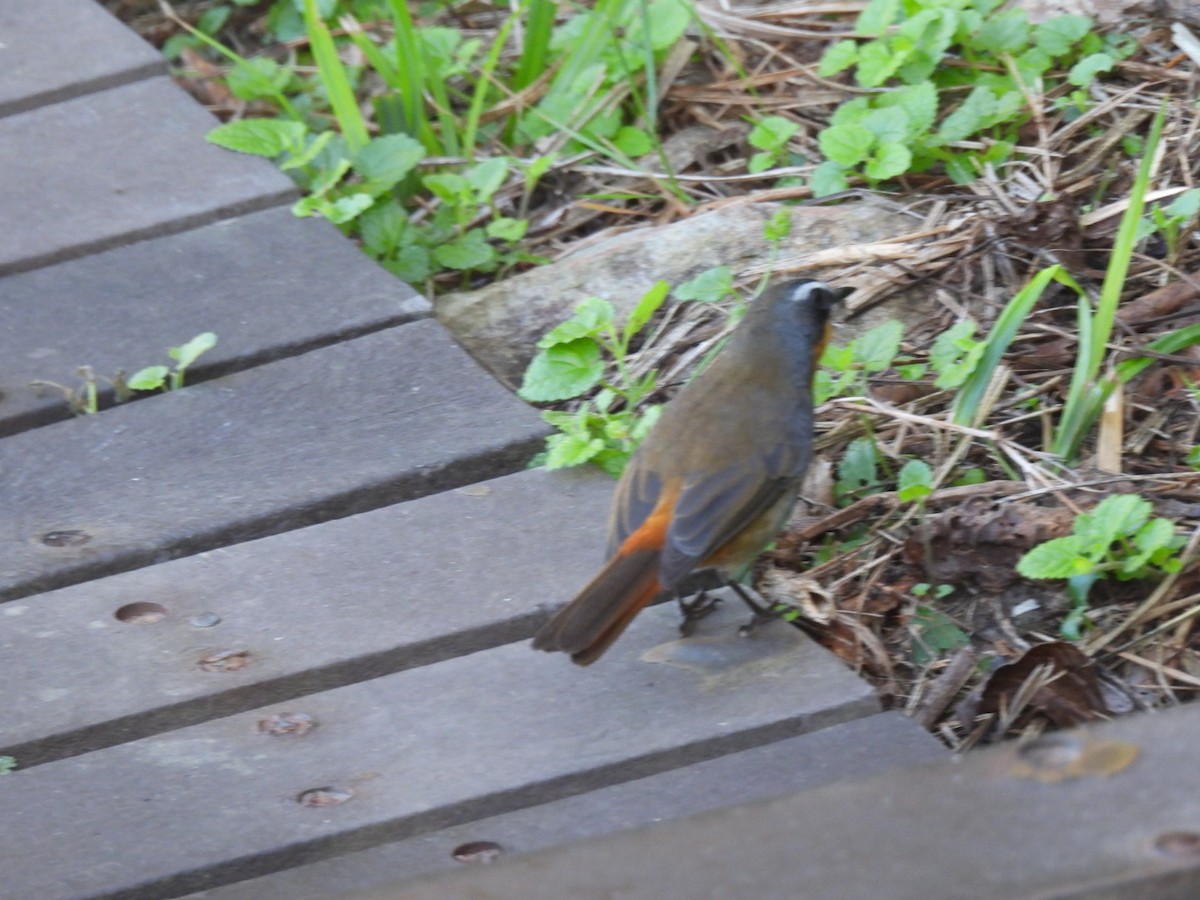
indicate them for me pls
(717, 477)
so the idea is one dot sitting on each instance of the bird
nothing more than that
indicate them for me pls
(717, 476)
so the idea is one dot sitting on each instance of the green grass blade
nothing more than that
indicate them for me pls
(999, 338)
(1172, 342)
(410, 76)
(334, 78)
(539, 26)
(483, 87)
(1085, 396)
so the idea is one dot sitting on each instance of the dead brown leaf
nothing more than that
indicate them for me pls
(982, 541)
(1055, 680)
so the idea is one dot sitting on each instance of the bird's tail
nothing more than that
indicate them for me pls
(587, 625)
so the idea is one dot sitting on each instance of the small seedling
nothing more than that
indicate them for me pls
(84, 398)
(770, 136)
(1170, 220)
(1118, 538)
(955, 354)
(915, 481)
(846, 369)
(933, 632)
(572, 360)
(153, 378)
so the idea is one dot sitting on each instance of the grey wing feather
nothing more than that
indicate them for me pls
(636, 495)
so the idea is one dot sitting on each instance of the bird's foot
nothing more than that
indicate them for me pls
(695, 609)
(759, 612)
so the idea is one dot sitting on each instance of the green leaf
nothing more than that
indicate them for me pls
(1059, 558)
(1085, 71)
(667, 21)
(213, 19)
(566, 450)
(1155, 535)
(877, 62)
(1116, 516)
(193, 349)
(837, 58)
(346, 209)
(852, 112)
(260, 137)
(562, 372)
(409, 263)
(827, 178)
(919, 102)
(973, 475)
(487, 177)
(955, 354)
(890, 161)
(1058, 35)
(382, 227)
(876, 349)
(449, 186)
(972, 115)
(915, 481)
(760, 162)
(150, 378)
(962, 168)
(321, 145)
(470, 251)
(633, 142)
(857, 472)
(385, 160)
(778, 227)
(646, 307)
(256, 79)
(935, 634)
(592, 316)
(889, 124)
(846, 145)
(772, 133)
(1032, 64)
(709, 286)
(876, 17)
(1185, 206)
(1005, 32)
(506, 229)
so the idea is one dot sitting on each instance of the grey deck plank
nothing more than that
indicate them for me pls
(116, 166)
(388, 417)
(269, 285)
(52, 50)
(856, 749)
(445, 575)
(423, 749)
(1002, 824)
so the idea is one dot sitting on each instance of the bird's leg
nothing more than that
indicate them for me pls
(695, 609)
(760, 613)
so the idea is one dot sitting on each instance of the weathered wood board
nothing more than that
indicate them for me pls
(267, 284)
(367, 422)
(426, 748)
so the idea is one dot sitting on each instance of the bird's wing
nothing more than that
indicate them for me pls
(637, 493)
(710, 512)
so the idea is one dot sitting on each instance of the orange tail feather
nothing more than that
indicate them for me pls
(587, 625)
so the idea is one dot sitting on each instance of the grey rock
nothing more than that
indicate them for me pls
(501, 323)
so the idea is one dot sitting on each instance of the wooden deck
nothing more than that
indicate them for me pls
(267, 636)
